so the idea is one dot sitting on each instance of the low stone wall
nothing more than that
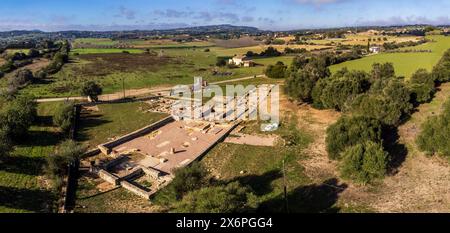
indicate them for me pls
(114, 162)
(153, 173)
(91, 153)
(108, 177)
(133, 174)
(136, 190)
(107, 147)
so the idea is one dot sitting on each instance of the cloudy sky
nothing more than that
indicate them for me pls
(54, 15)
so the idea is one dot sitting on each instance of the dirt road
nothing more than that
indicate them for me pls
(134, 92)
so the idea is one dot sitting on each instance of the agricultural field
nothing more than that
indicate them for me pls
(259, 48)
(23, 187)
(104, 51)
(405, 63)
(92, 43)
(363, 39)
(111, 67)
(87, 42)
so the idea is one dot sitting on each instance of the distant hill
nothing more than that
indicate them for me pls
(212, 29)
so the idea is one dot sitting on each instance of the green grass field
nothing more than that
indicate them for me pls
(114, 120)
(95, 41)
(405, 63)
(103, 51)
(181, 68)
(22, 185)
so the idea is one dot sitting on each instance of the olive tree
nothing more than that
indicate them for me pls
(92, 90)
(364, 162)
(350, 131)
(231, 198)
(64, 116)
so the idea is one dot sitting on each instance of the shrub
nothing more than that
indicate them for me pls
(21, 79)
(92, 90)
(350, 131)
(435, 135)
(41, 75)
(16, 116)
(364, 162)
(222, 61)
(276, 71)
(33, 53)
(270, 52)
(7, 67)
(188, 179)
(57, 164)
(381, 71)
(388, 105)
(232, 198)
(338, 90)
(64, 117)
(422, 86)
(441, 71)
(300, 85)
(5, 145)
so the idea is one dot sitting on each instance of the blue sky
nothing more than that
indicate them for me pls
(53, 15)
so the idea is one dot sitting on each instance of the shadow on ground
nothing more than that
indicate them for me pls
(315, 198)
(260, 185)
(25, 199)
(397, 151)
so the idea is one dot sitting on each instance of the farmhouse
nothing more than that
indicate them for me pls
(375, 50)
(241, 61)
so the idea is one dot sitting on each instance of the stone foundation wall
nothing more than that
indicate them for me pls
(136, 190)
(108, 177)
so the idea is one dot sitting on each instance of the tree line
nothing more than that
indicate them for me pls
(375, 103)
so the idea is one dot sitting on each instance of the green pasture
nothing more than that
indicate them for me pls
(405, 63)
(22, 185)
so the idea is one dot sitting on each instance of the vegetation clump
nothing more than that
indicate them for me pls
(350, 131)
(364, 162)
(435, 135)
(64, 116)
(57, 164)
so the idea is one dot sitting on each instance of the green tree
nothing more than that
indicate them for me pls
(435, 135)
(300, 85)
(188, 179)
(422, 86)
(390, 104)
(17, 115)
(364, 162)
(5, 145)
(64, 116)
(350, 131)
(277, 71)
(441, 71)
(92, 90)
(381, 71)
(341, 90)
(57, 164)
(21, 79)
(232, 198)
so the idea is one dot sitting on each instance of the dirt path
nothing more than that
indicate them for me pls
(317, 167)
(135, 92)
